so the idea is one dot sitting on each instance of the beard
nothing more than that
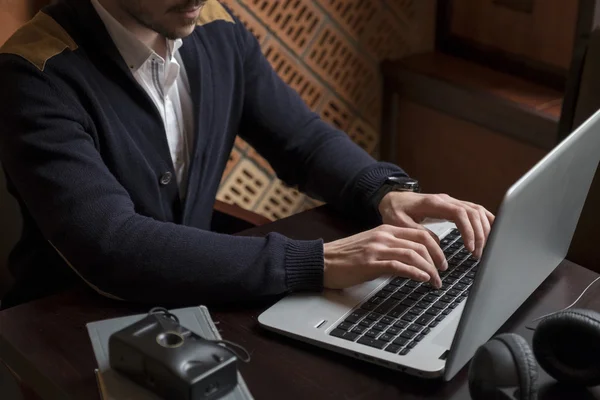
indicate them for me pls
(136, 11)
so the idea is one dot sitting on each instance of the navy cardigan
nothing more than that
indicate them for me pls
(85, 154)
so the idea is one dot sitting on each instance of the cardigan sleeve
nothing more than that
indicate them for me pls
(52, 159)
(304, 150)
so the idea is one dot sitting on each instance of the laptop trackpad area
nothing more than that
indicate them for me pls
(446, 335)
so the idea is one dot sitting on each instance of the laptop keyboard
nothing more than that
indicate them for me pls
(400, 315)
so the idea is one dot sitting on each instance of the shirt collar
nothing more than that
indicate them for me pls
(134, 51)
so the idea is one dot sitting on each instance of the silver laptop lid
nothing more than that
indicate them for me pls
(530, 238)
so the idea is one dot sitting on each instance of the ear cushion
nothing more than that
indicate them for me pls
(567, 346)
(526, 365)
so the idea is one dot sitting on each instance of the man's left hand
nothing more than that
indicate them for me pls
(409, 209)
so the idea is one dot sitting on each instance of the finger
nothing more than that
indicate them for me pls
(438, 207)
(487, 218)
(397, 268)
(422, 236)
(408, 222)
(475, 220)
(409, 255)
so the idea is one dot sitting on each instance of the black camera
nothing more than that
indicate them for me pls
(172, 361)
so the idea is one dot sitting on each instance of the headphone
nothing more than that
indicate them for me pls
(566, 345)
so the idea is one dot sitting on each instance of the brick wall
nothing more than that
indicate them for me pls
(329, 51)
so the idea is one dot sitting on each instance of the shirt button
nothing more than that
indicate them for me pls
(165, 179)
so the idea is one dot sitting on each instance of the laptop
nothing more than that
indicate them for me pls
(413, 328)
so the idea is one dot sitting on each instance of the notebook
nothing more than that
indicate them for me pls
(114, 386)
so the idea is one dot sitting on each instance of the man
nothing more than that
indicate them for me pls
(118, 118)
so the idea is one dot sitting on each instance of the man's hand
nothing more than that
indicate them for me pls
(385, 250)
(408, 209)
(402, 246)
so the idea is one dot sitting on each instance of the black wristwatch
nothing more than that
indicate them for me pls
(396, 184)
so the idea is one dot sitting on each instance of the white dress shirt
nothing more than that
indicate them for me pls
(166, 82)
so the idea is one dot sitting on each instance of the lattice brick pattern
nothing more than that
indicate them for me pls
(293, 21)
(245, 185)
(353, 15)
(253, 25)
(336, 113)
(289, 69)
(234, 158)
(363, 135)
(260, 161)
(386, 39)
(280, 201)
(346, 70)
(241, 144)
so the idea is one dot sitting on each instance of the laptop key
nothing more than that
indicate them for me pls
(400, 341)
(423, 304)
(409, 317)
(355, 316)
(374, 316)
(401, 324)
(372, 333)
(393, 348)
(439, 304)
(408, 302)
(414, 328)
(390, 288)
(433, 311)
(411, 284)
(417, 310)
(386, 337)
(422, 289)
(424, 319)
(426, 331)
(415, 296)
(459, 286)
(447, 299)
(384, 294)
(404, 352)
(345, 326)
(368, 306)
(430, 298)
(405, 290)
(376, 300)
(466, 281)
(398, 281)
(433, 324)
(378, 344)
(386, 306)
(399, 296)
(366, 323)
(393, 331)
(398, 311)
(359, 329)
(344, 335)
(386, 321)
(418, 338)
(411, 345)
(408, 334)
(447, 311)
(471, 274)
(379, 327)
(453, 292)
(440, 318)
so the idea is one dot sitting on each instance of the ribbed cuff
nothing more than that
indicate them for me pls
(304, 264)
(367, 185)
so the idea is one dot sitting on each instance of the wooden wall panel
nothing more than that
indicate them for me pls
(545, 35)
(464, 160)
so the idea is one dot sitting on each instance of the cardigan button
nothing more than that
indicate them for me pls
(165, 179)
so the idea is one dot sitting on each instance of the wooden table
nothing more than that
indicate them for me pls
(46, 342)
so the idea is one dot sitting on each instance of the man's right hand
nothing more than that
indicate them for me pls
(384, 251)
